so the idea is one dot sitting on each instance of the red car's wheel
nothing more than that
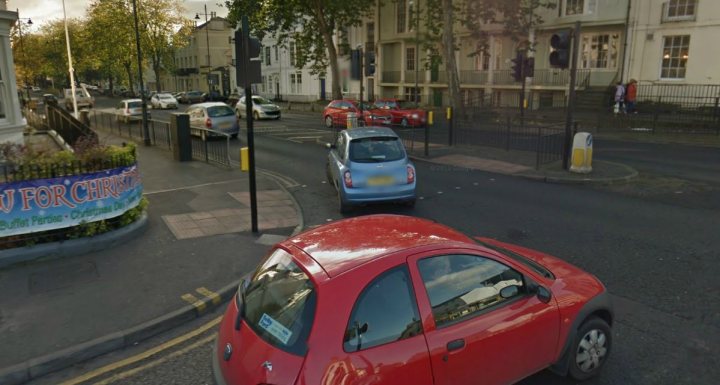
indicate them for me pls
(590, 349)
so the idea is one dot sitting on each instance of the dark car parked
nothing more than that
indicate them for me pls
(191, 97)
(214, 96)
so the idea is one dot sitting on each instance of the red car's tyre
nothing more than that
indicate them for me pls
(590, 349)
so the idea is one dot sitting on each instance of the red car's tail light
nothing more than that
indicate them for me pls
(208, 123)
(347, 178)
(410, 174)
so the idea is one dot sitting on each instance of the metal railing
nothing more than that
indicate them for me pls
(15, 173)
(67, 126)
(210, 146)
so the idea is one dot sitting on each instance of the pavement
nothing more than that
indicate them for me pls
(186, 259)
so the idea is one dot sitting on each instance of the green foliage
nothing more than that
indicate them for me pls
(311, 25)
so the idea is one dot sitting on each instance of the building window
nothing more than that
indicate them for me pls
(262, 85)
(599, 51)
(296, 83)
(674, 10)
(291, 49)
(675, 57)
(370, 37)
(267, 56)
(579, 7)
(269, 88)
(401, 8)
(482, 59)
(411, 93)
(276, 53)
(410, 58)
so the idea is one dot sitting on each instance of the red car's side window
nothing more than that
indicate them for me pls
(459, 286)
(385, 311)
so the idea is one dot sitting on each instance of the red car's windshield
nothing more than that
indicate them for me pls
(280, 303)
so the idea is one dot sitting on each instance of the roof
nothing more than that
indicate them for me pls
(346, 244)
(369, 132)
(131, 100)
(210, 104)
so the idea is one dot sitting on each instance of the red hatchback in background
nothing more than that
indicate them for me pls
(335, 114)
(404, 113)
(387, 299)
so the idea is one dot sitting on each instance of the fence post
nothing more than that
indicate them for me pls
(537, 148)
(656, 113)
(204, 139)
(427, 136)
(450, 126)
(715, 116)
(507, 134)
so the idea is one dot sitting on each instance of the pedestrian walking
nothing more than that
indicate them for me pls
(631, 97)
(619, 98)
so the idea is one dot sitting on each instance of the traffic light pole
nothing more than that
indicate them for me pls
(249, 120)
(571, 95)
(362, 78)
(522, 90)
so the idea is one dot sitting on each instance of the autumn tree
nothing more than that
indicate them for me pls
(444, 18)
(311, 24)
(164, 29)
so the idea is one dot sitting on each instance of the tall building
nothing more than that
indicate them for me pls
(205, 63)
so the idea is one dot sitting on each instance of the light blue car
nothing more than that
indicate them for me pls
(369, 165)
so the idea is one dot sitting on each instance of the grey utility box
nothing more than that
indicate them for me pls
(180, 132)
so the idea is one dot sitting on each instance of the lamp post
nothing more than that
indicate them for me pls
(71, 70)
(146, 131)
(207, 41)
(22, 48)
(416, 12)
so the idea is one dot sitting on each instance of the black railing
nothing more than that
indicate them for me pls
(15, 173)
(67, 126)
(208, 145)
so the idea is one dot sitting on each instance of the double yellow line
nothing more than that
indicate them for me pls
(199, 304)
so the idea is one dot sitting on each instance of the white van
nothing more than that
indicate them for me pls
(82, 96)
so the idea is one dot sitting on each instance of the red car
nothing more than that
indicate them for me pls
(387, 299)
(335, 114)
(404, 113)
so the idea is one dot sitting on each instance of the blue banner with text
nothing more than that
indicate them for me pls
(48, 204)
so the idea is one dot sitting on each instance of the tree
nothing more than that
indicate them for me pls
(164, 29)
(443, 18)
(311, 24)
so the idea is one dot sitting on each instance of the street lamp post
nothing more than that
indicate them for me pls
(146, 131)
(207, 41)
(71, 70)
(416, 12)
(22, 48)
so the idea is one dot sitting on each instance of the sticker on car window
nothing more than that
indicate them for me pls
(275, 328)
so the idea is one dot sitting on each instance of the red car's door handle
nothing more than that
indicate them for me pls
(455, 345)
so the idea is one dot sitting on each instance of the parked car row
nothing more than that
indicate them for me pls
(385, 112)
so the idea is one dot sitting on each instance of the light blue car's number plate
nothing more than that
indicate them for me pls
(380, 181)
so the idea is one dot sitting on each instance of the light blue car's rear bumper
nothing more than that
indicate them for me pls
(362, 195)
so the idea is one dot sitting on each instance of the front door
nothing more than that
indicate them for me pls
(322, 89)
(477, 336)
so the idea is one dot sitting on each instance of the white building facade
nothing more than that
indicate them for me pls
(11, 120)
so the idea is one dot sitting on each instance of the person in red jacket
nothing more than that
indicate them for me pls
(631, 97)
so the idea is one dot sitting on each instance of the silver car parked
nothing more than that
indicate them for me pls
(214, 117)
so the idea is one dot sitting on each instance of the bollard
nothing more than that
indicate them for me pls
(244, 159)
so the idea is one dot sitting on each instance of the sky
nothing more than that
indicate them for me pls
(42, 11)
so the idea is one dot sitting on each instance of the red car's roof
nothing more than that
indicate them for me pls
(345, 244)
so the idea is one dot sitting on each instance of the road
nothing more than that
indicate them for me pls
(654, 248)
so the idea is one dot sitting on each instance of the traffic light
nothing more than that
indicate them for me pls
(560, 42)
(356, 64)
(529, 70)
(253, 72)
(517, 67)
(369, 63)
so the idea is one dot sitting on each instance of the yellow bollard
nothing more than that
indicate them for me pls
(430, 117)
(449, 113)
(244, 159)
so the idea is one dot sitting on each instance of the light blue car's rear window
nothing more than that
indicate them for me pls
(376, 149)
(218, 111)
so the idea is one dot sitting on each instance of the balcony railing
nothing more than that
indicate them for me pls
(410, 76)
(391, 76)
(681, 12)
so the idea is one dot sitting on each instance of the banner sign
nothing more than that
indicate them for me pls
(48, 204)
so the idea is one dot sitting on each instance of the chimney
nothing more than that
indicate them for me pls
(212, 14)
(3, 5)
